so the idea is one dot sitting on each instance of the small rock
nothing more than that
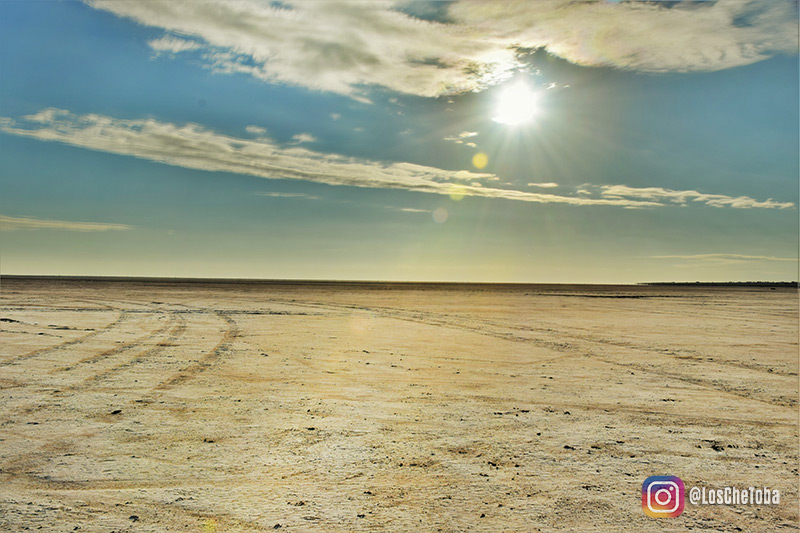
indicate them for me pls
(133, 517)
(116, 411)
(568, 447)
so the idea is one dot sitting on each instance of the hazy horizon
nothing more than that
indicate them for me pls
(300, 281)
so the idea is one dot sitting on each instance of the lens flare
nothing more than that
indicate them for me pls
(457, 192)
(480, 160)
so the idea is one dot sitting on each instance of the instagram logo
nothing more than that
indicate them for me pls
(662, 496)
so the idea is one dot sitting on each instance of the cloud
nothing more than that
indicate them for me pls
(195, 147)
(646, 36)
(173, 45)
(410, 209)
(459, 139)
(725, 258)
(681, 197)
(331, 46)
(298, 195)
(546, 185)
(304, 138)
(256, 130)
(344, 47)
(8, 223)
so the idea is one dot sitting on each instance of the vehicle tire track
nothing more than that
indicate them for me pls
(209, 359)
(178, 329)
(566, 347)
(113, 351)
(122, 316)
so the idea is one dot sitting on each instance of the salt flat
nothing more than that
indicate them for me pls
(189, 406)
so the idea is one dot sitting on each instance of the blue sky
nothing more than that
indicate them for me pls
(339, 141)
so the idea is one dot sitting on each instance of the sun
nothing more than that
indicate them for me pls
(517, 104)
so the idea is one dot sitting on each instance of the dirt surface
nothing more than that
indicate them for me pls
(177, 406)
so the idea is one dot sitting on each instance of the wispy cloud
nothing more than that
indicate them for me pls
(544, 185)
(192, 146)
(304, 138)
(681, 197)
(460, 138)
(408, 209)
(331, 46)
(345, 46)
(8, 223)
(256, 130)
(173, 45)
(641, 35)
(297, 195)
(725, 258)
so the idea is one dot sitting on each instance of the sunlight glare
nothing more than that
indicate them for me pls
(517, 104)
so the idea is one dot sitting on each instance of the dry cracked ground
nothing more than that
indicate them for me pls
(188, 406)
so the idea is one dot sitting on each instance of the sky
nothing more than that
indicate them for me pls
(543, 142)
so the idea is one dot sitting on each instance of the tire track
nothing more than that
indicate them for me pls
(157, 510)
(70, 397)
(209, 359)
(113, 351)
(73, 390)
(567, 348)
(178, 330)
(689, 418)
(122, 316)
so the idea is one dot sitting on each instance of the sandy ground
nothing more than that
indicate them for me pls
(243, 407)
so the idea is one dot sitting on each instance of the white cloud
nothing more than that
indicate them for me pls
(330, 46)
(335, 116)
(304, 138)
(173, 45)
(681, 197)
(8, 223)
(344, 46)
(408, 209)
(192, 146)
(648, 36)
(297, 195)
(544, 185)
(725, 258)
(459, 139)
(256, 130)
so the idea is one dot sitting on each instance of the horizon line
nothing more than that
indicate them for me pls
(73, 277)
